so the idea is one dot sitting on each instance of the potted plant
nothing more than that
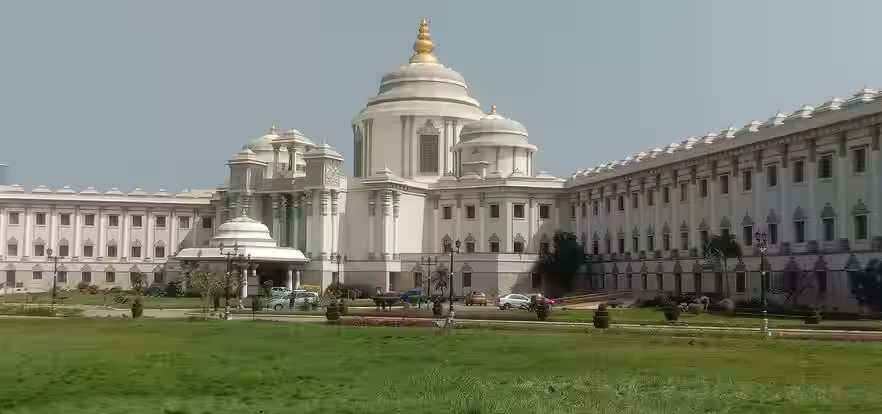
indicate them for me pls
(672, 312)
(436, 308)
(333, 311)
(601, 317)
(137, 307)
(343, 307)
(138, 281)
(814, 317)
(543, 311)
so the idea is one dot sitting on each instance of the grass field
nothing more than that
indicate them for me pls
(123, 366)
(77, 298)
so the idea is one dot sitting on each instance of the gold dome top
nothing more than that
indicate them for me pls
(424, 46)
(492, 109)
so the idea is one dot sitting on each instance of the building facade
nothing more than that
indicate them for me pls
(430, 167)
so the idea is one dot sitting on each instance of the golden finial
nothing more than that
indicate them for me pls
(423, 47)
(273, 129)
(492, 109)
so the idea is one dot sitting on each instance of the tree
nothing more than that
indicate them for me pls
(208, 284)
(866, 285)
(790, 284)
(560, 266)
(723, 247)
(440, 280)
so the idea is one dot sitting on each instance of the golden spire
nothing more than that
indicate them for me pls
(423, 47)
(492, 109)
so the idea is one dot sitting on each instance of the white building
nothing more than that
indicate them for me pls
(430, 165)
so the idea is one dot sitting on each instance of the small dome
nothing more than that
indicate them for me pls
(492, 123)
(264, 142)
(244, 231)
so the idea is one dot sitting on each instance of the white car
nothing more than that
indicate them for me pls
(300, 297)
(513, 300)
(280, 292)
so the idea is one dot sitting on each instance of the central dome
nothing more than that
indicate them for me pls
(244, 232)
(424, 79)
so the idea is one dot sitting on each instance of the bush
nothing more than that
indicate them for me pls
(601, 317)
(672, 313)
(39, 311)
(82, 287)
(387, 322)
(173, 289)
(695, 308)
(121, 299)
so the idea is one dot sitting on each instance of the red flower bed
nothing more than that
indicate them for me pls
(388, 322)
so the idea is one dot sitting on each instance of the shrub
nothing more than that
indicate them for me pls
(601, 317)
(672, 313)
(695, 308)
(39, 311)
(388, 322)
(662, 300)
(121, 299)
(82, 287)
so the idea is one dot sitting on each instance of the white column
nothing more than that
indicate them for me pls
(509, 236)
(125, 243)
(308, 220)
(435, 242)
(273, 172)
(694, 240)
(843, 213)
(335, 221)
(276, 218)
(295, 221)
(481, 246)
(759, 191)
(657, 220)
(396, 207)
(3, 225)
(297, 280)
(675, 207)
(53, 230)
(150, 248)
(102, 233)
(173, 229)
(783, 214)
(628, 228)
(386, 217)
(875, 191)
(289, 282)
(578, 201)
(77, 233)
(556, 212)
(713, 221)
(734, 193)
(372, 223)
(812, 223)
(28, 232)
(531, 226)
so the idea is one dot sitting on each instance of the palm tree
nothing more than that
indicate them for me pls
(723, 247)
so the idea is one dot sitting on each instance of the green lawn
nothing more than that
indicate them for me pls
(77, 298)
(154, 366)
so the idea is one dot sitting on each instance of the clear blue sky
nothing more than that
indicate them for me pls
(158, 94)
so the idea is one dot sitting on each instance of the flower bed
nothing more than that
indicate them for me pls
(387, 322)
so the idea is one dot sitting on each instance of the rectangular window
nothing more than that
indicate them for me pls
(747, 236)
(12, 249)
(466, 279)
(62, 277)
(666, 194)
(746, 180)
(684, 192)
(89, 220)
(41, 219)
(724, 184)
(596, 205)
(137, 221)
(87, 277)
(725, 232)
(470, 247)
(635, 200)
(13, 218)
(798, 171)
(64, 250)
(110, 277)
(159, 252)
(207, 223)
(494, 210)
(136, 252)
(635, 244)
(417, 279)
(470, 212)
(684, 240)
(518, 247)
(428, 153)
(184, 222)
(113, 221)
(621, 203)
(825, 166)
(608, 246)
(666, 242)
(772, 176)
(65, 219)
(447, 212)
(718, 282)
(572, 211)
(799, 231)
(697, 282)
(544, 247)
(860, 227)
(773, 233)
(650, 243)
(629, 277)
(659, 281)
(159, 221)
(38, 275)
(159, 277)
(608, 204)
(650, 198)
(829, 227)
(621, 245)
(111, 251)
(740, 283)
(822, 282)
(39, 250)
(535, 280)
(88, 251)
(595, 247)
(518, 211)
(703, 188)
(705, 237)
(494, 247)
(859, 160)
(544, 211)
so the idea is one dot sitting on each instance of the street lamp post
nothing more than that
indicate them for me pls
(452, 248)
(232, 258)
(54, 275)
(340, 260)
(762, 243)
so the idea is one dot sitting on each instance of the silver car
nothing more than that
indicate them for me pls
(513, 300)
(300, 298)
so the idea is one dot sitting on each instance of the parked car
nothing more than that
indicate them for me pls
(279, 304)
(413, 295)
(513, 300)
(280, 292)
(476, 298)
